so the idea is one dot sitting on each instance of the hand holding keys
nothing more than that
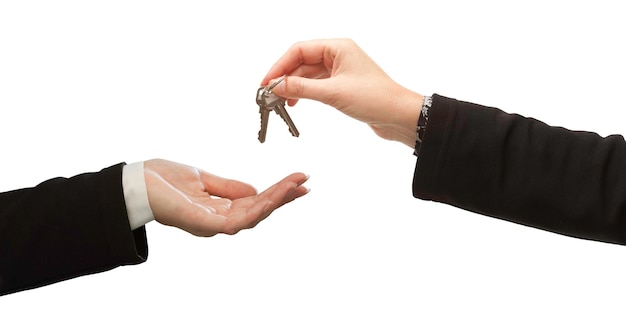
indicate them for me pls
(269, 101)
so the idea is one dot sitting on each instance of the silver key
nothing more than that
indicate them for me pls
(269, 101)
(264, 115)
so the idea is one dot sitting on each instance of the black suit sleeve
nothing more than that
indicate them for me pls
(519, 169)
(64, 228)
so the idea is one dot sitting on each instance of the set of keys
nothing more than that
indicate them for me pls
(269, 101)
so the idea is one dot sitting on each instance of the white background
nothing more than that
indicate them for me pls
(84, 85)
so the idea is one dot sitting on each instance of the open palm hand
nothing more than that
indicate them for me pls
(204, 204)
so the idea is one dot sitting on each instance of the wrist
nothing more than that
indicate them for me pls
(399, 117)
(407, 112)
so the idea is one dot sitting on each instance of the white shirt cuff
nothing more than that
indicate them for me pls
(136, 195)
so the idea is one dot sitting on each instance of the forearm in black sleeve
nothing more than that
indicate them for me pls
(64, 228)
(519, 169)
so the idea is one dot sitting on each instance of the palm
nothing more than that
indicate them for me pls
(204, 204)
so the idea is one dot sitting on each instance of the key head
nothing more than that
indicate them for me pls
(260, 97)
(272, 100)
(265, 97)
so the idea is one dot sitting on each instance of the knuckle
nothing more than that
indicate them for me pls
(346, 42)
(230, 230)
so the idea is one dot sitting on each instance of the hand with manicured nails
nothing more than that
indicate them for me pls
(339, 73)
(204, 204)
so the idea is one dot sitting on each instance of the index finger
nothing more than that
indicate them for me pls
(310, 52)
(257, 208)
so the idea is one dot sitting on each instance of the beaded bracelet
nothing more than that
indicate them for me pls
(422, 122)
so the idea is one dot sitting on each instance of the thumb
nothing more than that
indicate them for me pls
(295, 87)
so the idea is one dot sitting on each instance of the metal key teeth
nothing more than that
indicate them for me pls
(292, 130)
(263, 130)
(282, 112)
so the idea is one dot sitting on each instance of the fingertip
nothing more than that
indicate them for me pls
(303, 190)
(298, 177)
(236, 190)
(279, 88)
(296, 193)
(251, 190)
(306, 178)
(292, 102)
(300, 191)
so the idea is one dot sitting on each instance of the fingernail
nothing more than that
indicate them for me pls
(278, 85)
